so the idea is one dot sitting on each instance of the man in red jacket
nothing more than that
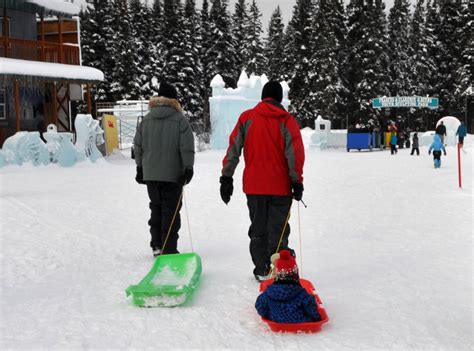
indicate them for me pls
(273, 174)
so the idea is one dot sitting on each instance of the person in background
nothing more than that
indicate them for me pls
(441, 131)
(461, 132)
(164, 155)
(393, 142)
(415, 145)
(285, 300)
(437, 146)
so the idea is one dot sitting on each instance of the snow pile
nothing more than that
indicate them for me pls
(57, 5)
(59, 71)
(226, 104)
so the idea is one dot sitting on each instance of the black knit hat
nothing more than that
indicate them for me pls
(167, 90)
(273, 90)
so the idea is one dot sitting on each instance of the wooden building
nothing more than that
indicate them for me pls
(40, 66)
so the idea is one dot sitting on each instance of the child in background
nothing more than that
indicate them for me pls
(286, 301)
(437, 146)
(415, 145)
(393, 142)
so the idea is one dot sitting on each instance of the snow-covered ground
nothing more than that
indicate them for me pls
(387, 241)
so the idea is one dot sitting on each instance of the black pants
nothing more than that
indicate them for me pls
(413, 151)
(268, 215)
(436, 155)
(164, 197)
(393, 149)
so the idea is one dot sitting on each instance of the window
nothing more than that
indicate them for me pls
(1, 27)
(3, 112)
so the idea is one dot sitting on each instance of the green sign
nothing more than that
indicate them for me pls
(405, 101)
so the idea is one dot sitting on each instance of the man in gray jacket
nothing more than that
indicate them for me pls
(164, 154)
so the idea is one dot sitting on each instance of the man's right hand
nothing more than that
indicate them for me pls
(227, 188)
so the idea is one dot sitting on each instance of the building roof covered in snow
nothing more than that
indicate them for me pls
(45, 7)
(34, 71)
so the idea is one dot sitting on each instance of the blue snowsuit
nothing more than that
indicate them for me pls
(287, 303)
(393, 143)
(462, 131)
(437, 146)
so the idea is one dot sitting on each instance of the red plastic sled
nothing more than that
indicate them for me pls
(308, 327)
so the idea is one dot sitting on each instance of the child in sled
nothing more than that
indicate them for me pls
(437, 146)
(285, 300)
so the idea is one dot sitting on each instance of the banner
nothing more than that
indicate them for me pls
(405, 101)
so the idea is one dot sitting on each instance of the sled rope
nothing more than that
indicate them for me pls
(172, 221)
(187, 219)
(301, 250)
(284, 227)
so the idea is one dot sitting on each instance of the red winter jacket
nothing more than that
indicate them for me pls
(273, 150)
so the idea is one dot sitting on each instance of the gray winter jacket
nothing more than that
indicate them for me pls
(164, 142)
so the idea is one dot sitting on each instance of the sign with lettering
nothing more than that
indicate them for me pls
(405, 101)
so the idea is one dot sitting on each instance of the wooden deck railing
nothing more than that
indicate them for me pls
(35, 50)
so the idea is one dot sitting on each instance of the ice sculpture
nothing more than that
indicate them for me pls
(25, 147)
(323, 137)
(28, 146)
(88, 136)
(226, 104)
(60, 147)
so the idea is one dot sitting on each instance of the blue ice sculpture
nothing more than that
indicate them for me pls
(61, 149)
(26, 147)
(88, 136)
(226, 104)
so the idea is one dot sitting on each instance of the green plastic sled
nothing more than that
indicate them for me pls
(170, 282)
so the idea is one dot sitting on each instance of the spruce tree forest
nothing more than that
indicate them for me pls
(335, 58)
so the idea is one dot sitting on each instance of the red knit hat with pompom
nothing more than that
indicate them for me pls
(286, 267)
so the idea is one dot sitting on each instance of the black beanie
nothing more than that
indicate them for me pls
(273, 90)
(168, 91)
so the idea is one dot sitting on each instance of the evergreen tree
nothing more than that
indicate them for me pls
(140, 34)
(289, 60)
(222, 53)
(448, 56)
(97, 38)
(240, 24)
(253, 53)
(398, 48)
(422, 63)
(155, 42)
(300, 49)
(173, 48)
(432, 47)
(327, 97)
(366, 61)
(206, 62)
(125, 72)
(464, 75)
(275, 46)
(191, 66)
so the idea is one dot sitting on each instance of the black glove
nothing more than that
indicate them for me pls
(444, 152)
(227, 188)
(139, 176)
(297, 191)
(186, 177)
(429, 152)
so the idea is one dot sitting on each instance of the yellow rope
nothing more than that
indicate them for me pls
(187, 218)
(172, 222)
(284, 227)
(301, 250)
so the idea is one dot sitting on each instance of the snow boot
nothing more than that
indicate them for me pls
(156, 251)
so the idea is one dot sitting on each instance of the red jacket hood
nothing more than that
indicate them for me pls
(271, 108)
